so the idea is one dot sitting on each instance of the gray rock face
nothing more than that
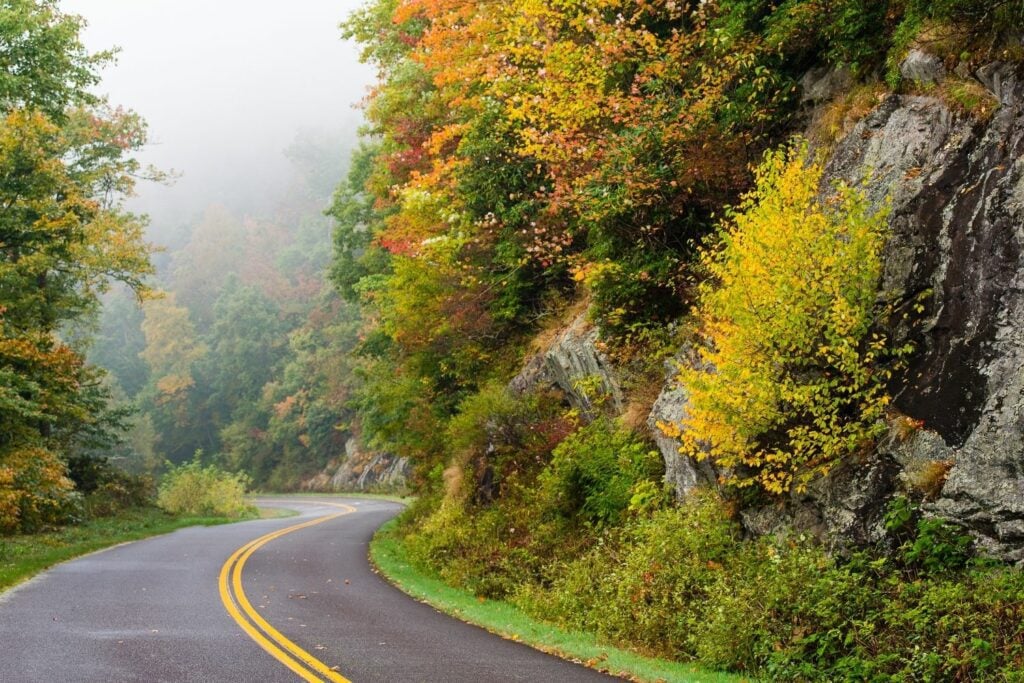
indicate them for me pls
(575, 364)
(1001, 80)
(363, 471)
(922, 67)
(822, 83)
(682, 472)
(534, 374)
(957, 192)
(843, 510)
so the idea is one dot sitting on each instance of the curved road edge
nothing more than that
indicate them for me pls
(154, 612)
(386, 555)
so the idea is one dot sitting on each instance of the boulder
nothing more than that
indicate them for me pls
(921, 67)
(575, 364)
(682, 472)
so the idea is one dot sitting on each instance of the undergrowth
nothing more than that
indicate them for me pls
(195, 489)
(681, 582)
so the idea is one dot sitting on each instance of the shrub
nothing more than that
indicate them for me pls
(683, 584)
(494, 550)
(639, 584)
(927, 545)
(793, 378)
(107, 489)
(594, 473)
(194, 489)
(35, 490)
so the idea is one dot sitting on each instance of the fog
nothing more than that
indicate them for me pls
(225, 86)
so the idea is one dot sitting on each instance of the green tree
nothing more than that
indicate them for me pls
(119, 342)
(43, 64)
(171, 398)
(64, 237)
(246, 342)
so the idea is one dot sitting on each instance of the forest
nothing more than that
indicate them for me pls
(557, 219)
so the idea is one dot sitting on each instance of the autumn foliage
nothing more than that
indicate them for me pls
(792, 372)
(64, 238)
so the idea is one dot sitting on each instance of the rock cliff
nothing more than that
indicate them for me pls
(954, 273)
(954, 266)
(574, 364)
(957, 192)
(361, 470)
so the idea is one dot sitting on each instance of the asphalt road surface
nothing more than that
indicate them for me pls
(262, 601)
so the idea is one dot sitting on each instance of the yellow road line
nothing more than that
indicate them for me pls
(274, 642)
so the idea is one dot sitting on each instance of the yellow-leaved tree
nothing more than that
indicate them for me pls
(793, 371)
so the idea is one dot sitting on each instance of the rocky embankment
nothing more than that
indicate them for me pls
(955, 279)
(362, 470)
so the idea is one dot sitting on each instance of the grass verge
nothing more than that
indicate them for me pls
(404, 500)
(22, 557)
(275, 512)
(503, 619)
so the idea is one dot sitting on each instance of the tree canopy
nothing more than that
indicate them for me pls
(67, 161)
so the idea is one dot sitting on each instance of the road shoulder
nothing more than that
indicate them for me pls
(387, 555)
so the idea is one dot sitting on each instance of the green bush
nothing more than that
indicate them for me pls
(928, 545)
(106, 489)
(120, 491)
(493, 549)
(684, 584)
(194, 489)
(640, 583)
(594, 473)
(981, 15)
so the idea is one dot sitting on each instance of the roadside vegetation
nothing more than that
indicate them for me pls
(528, 161)
(204, 490)
(25, 555)
(65, 238)
(681, 583)
(390, 556)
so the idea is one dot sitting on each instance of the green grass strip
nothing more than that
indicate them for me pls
(393, 497)
(24, 556)
(388, 554)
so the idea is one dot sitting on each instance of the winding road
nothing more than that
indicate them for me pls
(271, 600)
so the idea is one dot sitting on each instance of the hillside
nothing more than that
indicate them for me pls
(698, 321)
(695, 326)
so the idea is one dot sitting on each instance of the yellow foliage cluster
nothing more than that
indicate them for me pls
(34, 487)
(192, 489)
(791, 378)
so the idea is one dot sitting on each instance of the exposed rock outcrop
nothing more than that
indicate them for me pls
(682, 473)
(361, 470)
(844, 509)
(921, 67)
(957, 190)
(575, 364)
(955, 265)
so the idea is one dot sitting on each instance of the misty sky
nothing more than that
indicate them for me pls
(225, 85)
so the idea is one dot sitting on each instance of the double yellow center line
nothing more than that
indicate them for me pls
(305, 665)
